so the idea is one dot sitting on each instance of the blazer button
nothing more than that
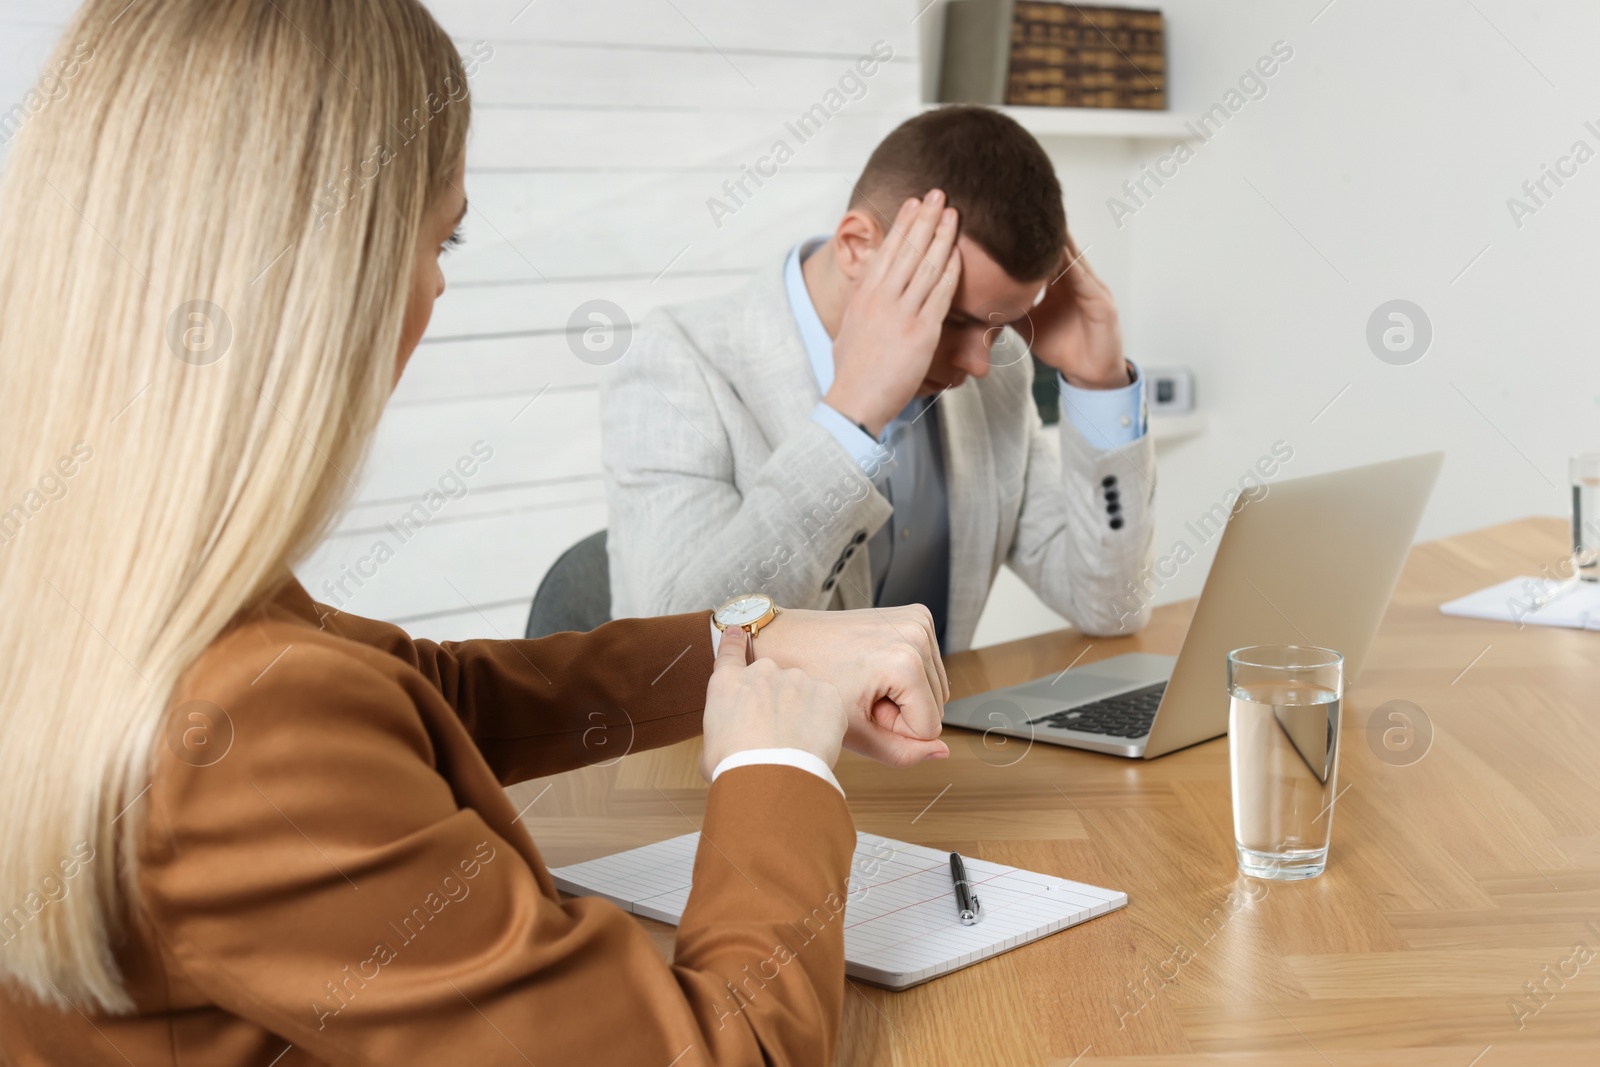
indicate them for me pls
(1112, 496)
(860, 538)
(1116, 522)
(1109, 480)
(827, 586)
(838, 565)
(849, 550)
(1113, 507)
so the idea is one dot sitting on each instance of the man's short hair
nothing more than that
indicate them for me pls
(992, 171)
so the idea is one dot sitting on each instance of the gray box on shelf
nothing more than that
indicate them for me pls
(977, 52)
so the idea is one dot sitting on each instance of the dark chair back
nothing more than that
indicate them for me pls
(576, 592)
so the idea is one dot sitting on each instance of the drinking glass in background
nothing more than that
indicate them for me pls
(1283, 747)
(1585, 471)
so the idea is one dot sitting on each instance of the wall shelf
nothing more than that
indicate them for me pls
(1177, 427)
(1101, 122)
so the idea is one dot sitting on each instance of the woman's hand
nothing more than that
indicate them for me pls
(885, 664)
(764, 706)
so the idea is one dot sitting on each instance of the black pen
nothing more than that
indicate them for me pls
(966, 899)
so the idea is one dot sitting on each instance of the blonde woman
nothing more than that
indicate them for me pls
(240, 828)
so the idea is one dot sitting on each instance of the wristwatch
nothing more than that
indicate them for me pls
(751, 611)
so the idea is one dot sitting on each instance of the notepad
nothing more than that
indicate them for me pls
(1577, 608)
(901, 926)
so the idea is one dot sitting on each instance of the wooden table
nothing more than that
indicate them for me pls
(1454, 881)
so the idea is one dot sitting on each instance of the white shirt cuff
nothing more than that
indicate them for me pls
(1107, 418)
(716, 638)
(787, 757)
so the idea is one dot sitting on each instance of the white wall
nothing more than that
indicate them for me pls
(1390, 142)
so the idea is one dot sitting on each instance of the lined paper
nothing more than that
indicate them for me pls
(901, 924)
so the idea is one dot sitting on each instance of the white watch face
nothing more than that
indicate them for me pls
(744, 611)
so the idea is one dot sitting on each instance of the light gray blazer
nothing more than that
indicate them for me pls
(718, 482)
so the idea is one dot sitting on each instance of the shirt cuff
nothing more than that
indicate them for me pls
(716, 638)
(867, 453)
(786, 757)
(1107, 418)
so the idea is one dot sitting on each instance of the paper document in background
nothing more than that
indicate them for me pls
(1519, 601)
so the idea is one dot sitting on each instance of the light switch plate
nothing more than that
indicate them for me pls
(1170, 390)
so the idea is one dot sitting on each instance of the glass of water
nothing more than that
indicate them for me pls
(1585, 471)
(1283, 746)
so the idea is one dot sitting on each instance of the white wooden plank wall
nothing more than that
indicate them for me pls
(601, 131)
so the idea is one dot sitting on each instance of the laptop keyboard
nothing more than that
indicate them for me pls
(1124, 715)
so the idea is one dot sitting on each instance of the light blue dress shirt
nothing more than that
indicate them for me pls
(911, 552)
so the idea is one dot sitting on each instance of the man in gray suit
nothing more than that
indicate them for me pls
(856, 426)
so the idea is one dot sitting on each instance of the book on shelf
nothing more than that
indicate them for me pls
(1037, 53)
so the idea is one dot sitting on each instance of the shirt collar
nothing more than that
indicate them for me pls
(818, 345)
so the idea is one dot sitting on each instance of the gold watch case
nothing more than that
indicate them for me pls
(750, 611)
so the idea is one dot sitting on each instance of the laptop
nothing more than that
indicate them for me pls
(1313, 561)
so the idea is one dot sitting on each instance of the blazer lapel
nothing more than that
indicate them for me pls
(974, 516)
(773, 374)
(773, 377)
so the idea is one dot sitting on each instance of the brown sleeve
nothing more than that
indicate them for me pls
(569, 700)
(323, 881)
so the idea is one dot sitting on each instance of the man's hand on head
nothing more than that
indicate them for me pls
(1076, 329)
(892, 323)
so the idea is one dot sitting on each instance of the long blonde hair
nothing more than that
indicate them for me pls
(207, 226)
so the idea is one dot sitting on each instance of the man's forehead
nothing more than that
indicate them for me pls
(986, 292)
